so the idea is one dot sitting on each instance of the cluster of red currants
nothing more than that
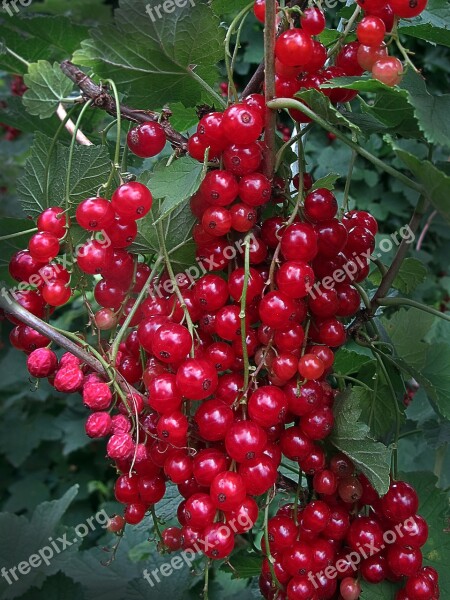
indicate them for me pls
(301, 59)
(321, 549)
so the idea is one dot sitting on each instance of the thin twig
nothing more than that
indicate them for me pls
(106, 102)
(70, 126)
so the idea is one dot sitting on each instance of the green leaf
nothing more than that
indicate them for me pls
(44, 180)
(436, 371)
(22, 538)
(244, 565)
(347, 361)
(47, 86)
(159, 60)
(351, 436)
(434, 508)
(326, 182)
(56, 587)
(431, 111)
(228, 7)
(436, 184)
(412, 273)
(431, 25)
(322, 106)
(380, 591)
(175, 184)
(406, 330)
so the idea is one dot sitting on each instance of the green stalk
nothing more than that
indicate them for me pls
(286, 103)
(71, 151)
(414, 304)
(243, 313)
(18, 234)
(116, 164)
(232, 92)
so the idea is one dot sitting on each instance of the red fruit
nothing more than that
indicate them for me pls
(132, 201)
(388, 70)
(348, 59)
(53, 220)
(404, 561)
(320, 205)
(172, 428)
(419, 587)
(196, 379)
(374, 569)
(245, 440)
(199, 511)
(267, 406)
(218, 541)
(171, 343)
(120, 446)
(350, 589)
(207, 464)
(94, 257)
(294, 48)
(299, 242)
(363, 531)
(244, 517)
(43, 246)
(213, 419)
(95, 214)
(313, 21)
(311, 367)
(211, 292)
(371, 31)
(151, 489)
(407, 9)
(276, 310)
(241, 159)
(228, 491)
(116, 524)
(42, 362)
(97, 396)
(135, 513)
(98, 425)
(219, 188)
(294, 444)
(295, 279)
(259, 475)
(325, 482)
(146, 140)
(68, 379)
(400, 502)
(255, 189)
(242, 122)
(56, 293)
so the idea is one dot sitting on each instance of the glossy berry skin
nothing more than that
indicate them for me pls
(350, 589)
(217, 221)
(255, 284)
(94, 258)
(282, 532)
(126, 489)
(259, 474)
(241, 122)
(295, 279)
(151, 489)
(227, 491)
(121, 232)
(364, 530)
(419, 587)
(219, 188)
(135, 513)
(276, 310)
(241, 160)
(146, 140)
(132, 201)
(43, 246)
(207, 464)
(196, 379)
(255, 189)
(244, 516)
(311, 367)
(299, 242)
(245, 440)
(218, 541)
(172, 428)
(388, 70)
(407, 9)
(400, 502)
(56, 293)
(347, 59)
(171, 343)
(295, 444)
(53, 220)
(371, 31)
(213, 419)
(404, 561)
(199, 510)
(320, 205)
(267, 406)
(294, 48)
(313, 21)
(95, 214)
(316, 516)
(374, 569)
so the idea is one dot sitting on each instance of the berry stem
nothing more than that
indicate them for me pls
(18, 234)
(106, 102)
(335, 49)
(121, 333)
(414, 304)
(179, 295)
(243, 313)
(269, 498)
(229, 65)
(116, 164)
(281, 103)
(269, 65)
(206, 584)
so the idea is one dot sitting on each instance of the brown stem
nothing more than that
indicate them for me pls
(255, 83)
(106, 102)
(269, 61)
(13, 308)
(365, 315)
